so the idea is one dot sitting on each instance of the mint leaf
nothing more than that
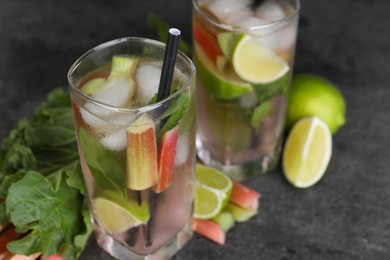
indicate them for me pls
(106, 170)
(175, 112)
(49, 209)
(269, 90)
(260, 113)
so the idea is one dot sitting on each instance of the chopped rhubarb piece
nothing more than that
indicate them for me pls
(141, 154)
(7, 234)
(210, 230)
(206, 40)
(10, 256)
(244, 196)
(225, 220)
(240, 214)
(166, 159)
(53, 257)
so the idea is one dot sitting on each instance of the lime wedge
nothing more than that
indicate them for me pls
(212, 192)
(307, 152)
(116, 218)
(222, 82)
(257, 64)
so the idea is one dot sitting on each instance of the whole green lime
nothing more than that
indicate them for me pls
(313, 95)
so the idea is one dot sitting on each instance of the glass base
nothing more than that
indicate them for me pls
(241, 171)
(119, 251)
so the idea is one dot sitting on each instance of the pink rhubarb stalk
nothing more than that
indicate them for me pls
(244, 196)
(141, 154)
(166, 159)
(210, 230)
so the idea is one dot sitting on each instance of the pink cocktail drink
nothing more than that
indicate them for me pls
(137, 154)
(244, 53)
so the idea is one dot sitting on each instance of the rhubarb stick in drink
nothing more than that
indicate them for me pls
(137, 153)
(244, 53)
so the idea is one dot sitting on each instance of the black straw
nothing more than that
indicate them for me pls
(164, 89)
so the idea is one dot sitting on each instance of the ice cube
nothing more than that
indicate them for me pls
(281, 39)
(148, 79)
(181, 150)
(253, 21)
(115, 141)
(92, 120)
(226, 10)
(118, 92)
(270, 10)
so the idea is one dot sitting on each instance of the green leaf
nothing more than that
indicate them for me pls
(106, 170)
(175, 112)
(260, 113)
(47, 202)
(269, 90)
(75, 178)
(162, 28)
(49, 209)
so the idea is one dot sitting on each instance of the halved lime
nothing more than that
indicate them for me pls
(222, 82)
(116, 218)
(212, 192)
(313, 95)
(307, 152)
(256, 63)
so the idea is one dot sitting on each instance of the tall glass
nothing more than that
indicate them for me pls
(244, 52)
(137, 155)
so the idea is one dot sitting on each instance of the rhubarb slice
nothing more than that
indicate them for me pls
(166, 159)
(225, 220)
(7, 234)
(240, 214)
(244, 196)
(122, 66)
(210, 230)
(142, 171)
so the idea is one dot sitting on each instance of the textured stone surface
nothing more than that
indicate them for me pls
(346, 216)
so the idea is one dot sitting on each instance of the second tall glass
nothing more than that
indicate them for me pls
(244, 52)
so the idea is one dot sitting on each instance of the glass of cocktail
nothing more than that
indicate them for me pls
(137, 154)
(244, 52)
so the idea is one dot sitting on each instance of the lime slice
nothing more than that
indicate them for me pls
(212, 192)
(222, 82)
(116, 218)
(307, 152)
(256, 63)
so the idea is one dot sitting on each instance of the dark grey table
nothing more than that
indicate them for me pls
(345, 216)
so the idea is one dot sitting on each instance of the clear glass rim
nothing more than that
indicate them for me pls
(144, 109)
(234, 28)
